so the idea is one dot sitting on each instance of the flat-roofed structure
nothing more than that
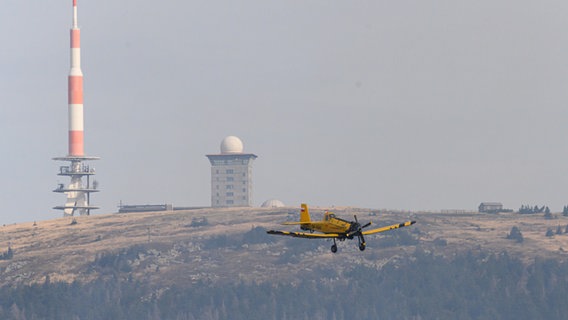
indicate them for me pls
(490, 207)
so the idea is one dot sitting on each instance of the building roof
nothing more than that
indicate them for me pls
(491, 204)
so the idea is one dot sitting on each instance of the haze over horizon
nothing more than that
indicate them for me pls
(412, 105)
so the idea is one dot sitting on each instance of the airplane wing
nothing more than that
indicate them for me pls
(304, 235)
(387, 228)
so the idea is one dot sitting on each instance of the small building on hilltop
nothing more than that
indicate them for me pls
(490, 207)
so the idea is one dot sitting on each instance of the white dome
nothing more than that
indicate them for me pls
(273, 203)
(231, 145)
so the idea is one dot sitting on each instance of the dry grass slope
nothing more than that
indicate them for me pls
(170, 249)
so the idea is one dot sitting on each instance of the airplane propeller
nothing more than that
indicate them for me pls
(357, 229)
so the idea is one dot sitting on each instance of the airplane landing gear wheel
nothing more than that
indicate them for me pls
(362, 243)
(334, 248)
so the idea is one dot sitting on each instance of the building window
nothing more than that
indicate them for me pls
(244, 190)
(229, 194)
(230, 171)
(230, 202)
(230, 179)
(229, 186)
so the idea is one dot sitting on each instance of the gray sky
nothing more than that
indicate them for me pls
(381, 104)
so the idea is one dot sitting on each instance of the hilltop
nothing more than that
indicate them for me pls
(230, 244)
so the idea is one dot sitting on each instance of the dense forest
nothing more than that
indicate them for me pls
(421, 286)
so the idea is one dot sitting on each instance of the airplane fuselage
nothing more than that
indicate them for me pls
(330, 224)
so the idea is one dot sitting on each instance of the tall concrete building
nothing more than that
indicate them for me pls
(231, 175)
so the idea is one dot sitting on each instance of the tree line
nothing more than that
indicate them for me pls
(470, 285)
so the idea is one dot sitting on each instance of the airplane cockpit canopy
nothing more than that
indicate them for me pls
(329, 215)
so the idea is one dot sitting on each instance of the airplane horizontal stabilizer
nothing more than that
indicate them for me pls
(291, 223)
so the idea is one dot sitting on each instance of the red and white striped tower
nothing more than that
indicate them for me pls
(76, 146)
(78, 194)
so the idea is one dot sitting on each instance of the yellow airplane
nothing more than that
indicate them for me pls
(332, 227)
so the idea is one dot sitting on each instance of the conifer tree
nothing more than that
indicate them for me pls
(549, 232)
(515, 234)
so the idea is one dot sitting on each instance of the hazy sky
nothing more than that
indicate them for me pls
(380, 104)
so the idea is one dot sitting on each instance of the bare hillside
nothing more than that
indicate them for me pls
(231, 244)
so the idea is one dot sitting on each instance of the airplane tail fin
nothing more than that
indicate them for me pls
(305, 213)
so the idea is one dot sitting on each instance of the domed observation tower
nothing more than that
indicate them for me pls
(231, 175)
